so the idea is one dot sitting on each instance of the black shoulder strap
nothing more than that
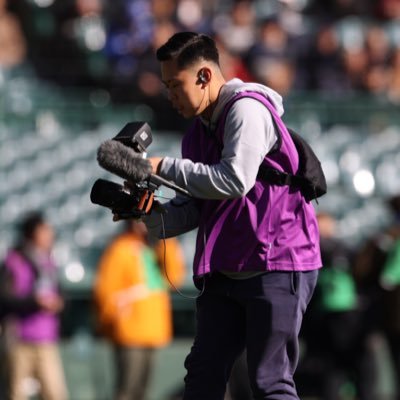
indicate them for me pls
(310, 178)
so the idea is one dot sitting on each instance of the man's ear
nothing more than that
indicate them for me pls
(204, 76)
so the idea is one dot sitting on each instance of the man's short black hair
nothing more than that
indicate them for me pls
(29, 223)
(187, 48)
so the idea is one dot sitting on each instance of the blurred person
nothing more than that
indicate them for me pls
(163, 10)
(336, 340)
(87, 8)
(60, 40)
(292, 17)
(277, 74)
(325, 62)
(192, 15)
(12, 39)
(273, 39)
(10, 305)
(134, 29)
(148, 76)
(171, 260)
(232, 65)
(376, 78)
(376, 81)
(394, 79)
(129, 31)
(387, 9)
(150, 89)
(272, 58)
(355, 64)
(133, 305)
(130, 26)
(377, 273)
(377, 45)
(34, 302)
(390, 281)
(333, 10)
(236, 27)
(254, 284)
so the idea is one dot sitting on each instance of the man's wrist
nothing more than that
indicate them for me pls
(156, 164)
(159, 166)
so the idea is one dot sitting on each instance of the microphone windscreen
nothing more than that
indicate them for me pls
(121, 160)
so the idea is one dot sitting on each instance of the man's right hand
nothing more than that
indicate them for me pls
(52, 303)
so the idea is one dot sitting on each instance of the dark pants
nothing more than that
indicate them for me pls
(134, 366)
(262, 314)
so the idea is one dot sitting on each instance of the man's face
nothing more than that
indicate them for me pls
(185, 91)
(43, 236)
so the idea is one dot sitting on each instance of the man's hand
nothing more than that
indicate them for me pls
(155, 163)
(51, 303)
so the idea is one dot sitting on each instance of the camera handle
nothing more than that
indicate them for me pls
(158, 181)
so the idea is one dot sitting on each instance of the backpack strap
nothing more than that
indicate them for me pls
(279, 178)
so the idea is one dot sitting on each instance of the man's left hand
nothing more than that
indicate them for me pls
(155, 163)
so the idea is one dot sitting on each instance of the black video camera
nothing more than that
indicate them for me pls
(135, 199)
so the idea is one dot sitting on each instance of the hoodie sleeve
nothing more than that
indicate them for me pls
(180, 215)
(248, 136)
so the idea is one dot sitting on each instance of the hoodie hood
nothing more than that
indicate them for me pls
(235, 86)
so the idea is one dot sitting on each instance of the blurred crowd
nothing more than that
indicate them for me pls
(337, 46)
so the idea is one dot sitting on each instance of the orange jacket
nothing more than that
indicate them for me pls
(131, 295)
(171, 259)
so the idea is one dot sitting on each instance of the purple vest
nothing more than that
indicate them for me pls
(272, 228)
(39, 326)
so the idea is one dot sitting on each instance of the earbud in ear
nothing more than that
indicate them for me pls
(202, 77)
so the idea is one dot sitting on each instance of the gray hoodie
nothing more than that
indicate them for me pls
(248, 136)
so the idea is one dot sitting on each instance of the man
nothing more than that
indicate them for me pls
(133, 304)
(257, 251)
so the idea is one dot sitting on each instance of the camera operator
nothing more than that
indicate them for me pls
(257, 251)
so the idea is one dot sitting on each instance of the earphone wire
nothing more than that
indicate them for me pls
(166, 270)
(201, 102)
